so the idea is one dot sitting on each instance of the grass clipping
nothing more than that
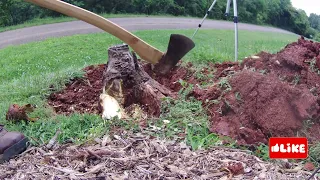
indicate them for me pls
(137, 156)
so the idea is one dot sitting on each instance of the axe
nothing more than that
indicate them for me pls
(178, 46)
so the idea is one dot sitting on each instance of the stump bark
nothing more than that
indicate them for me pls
(125, 79)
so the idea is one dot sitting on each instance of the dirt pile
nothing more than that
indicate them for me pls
(258, 106)
(80, 94)
(298, 64)
(265, 95)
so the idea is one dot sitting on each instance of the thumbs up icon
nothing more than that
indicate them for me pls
(275, 148)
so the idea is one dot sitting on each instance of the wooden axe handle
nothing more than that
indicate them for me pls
(144, 50)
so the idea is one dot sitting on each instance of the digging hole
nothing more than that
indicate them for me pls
(278, 107)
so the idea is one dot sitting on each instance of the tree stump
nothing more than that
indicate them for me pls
(125, 79)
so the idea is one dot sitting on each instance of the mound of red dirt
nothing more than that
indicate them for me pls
(260, 106)
(80, 94)
(264, 95)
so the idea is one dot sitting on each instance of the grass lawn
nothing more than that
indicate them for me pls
(28, 71)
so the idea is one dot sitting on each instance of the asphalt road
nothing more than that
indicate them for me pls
(39, 33)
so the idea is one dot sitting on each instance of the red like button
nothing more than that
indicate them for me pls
(288, 148)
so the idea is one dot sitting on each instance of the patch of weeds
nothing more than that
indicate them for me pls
(203, 76)
(77, 74)
(263, 71)
(296, 79)
(253, 69)
(313, 66)
(186, 88)
(282, 78)
(213, 101)
(130, 124)
(224, 84)
(307, 124)
(184, 120)
(238, 96)
(314, 153)
(203, 73)
(262, 152)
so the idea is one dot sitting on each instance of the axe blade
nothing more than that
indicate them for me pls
(179, 45)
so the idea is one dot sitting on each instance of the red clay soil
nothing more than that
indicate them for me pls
(80, 94)
(273, 95)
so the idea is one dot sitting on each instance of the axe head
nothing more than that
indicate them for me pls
(178, 47)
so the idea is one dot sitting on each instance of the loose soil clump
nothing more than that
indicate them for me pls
(265, 95)
(80, 94)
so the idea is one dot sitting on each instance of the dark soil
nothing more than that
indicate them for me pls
(269, 95)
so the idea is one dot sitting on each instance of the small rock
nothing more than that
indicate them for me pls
(309, 166)
(97, 140)
(106, 140)
(183, 145)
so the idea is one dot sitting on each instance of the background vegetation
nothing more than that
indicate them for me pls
(279, 13)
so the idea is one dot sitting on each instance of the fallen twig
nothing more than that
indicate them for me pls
(314, 173)
(295, 170)
(27, 151)
(120, 139)
(144, 170)
(66, 170)
(93, 154)
(131, 158)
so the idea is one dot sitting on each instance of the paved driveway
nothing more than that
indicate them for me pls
(38, 33)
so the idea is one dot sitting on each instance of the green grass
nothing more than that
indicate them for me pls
(28, 70)
(186, 119)
(51, 20)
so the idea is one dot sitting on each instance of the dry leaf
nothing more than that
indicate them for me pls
(106, 140)
(236, 168)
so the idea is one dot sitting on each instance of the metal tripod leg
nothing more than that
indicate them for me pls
(228, 8)
(199, 26)
(235, 20)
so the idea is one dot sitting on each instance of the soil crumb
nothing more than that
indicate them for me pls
(262, 96)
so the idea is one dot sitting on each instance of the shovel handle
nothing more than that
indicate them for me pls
(144, 50)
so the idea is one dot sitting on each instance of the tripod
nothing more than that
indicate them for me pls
(235, 20)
